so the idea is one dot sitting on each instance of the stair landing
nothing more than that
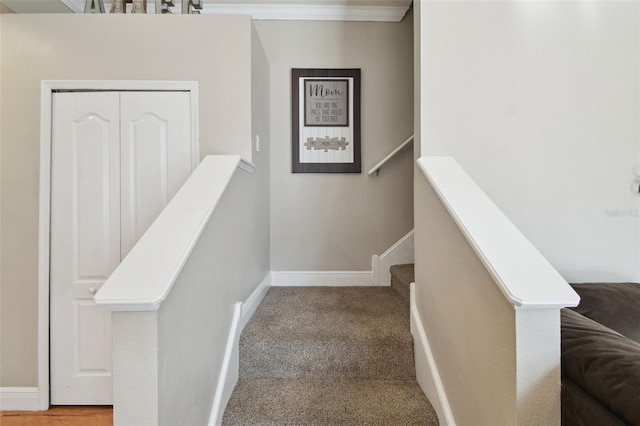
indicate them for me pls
(328, 356)
(323, 332)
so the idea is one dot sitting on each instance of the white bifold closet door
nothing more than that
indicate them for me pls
(117, 159)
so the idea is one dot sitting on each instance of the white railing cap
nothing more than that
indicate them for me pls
(525, 277)
(145, 276)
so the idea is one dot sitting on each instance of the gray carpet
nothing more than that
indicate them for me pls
(328, 356)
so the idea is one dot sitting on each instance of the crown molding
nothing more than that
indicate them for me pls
(308, 12)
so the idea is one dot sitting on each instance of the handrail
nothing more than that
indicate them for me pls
(525, 277)
(154, 263)
(377, 167)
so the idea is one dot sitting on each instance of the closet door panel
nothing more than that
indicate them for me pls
(85, 243)
(156, 156)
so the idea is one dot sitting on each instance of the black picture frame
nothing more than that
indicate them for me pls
(335, 89)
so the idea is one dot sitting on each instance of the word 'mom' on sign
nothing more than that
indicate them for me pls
(326, 103)
(326, 143)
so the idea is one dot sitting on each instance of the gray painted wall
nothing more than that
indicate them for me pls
(325, 222)
(94, 47)
(329, 222)
(318, 222)
(468, 322)
(226, 266)
(539, 103)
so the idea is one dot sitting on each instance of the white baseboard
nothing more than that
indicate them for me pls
(375, 269)
(19, 399)
(426, 368)
(229, 371)
(399, 253)
(251, 304)
(321, 278)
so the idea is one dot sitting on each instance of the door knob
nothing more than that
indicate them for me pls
(92, 290)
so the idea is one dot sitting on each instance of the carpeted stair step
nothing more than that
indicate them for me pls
(328, 332)
(328, 356)
(401, 277)
(328, 402)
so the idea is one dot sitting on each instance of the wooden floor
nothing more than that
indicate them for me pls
(61, 415)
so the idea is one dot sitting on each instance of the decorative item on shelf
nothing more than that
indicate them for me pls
(139, 6)
(191, 7)
(94, 6)
(164, 6)
(635, 184)
(118, 6)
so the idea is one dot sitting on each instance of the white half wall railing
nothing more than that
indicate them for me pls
(174, 298)
(376, 169)
(485, 309)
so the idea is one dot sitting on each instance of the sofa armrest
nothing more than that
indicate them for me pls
(602, 362)
(615, 305)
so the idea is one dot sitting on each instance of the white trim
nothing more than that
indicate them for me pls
(398, 245)
(375, 269)
(525, 278)
(307, 12)
(229, 371)
(47, 87)
(321, 278)
(251, 304)
(426, 369)
(44, 244)
(122, 85)
(20, 399)
(247, 166)
(400, 253)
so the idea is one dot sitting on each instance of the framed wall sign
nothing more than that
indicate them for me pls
(325, 109)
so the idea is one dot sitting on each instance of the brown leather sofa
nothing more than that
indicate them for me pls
(601, 356)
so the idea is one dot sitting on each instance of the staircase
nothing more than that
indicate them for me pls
(328, 356)
(401, 277)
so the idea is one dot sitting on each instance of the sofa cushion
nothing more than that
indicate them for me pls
(579, 409)
(602, 362)
(615, 305)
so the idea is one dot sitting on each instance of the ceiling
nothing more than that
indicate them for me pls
(332, 10)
